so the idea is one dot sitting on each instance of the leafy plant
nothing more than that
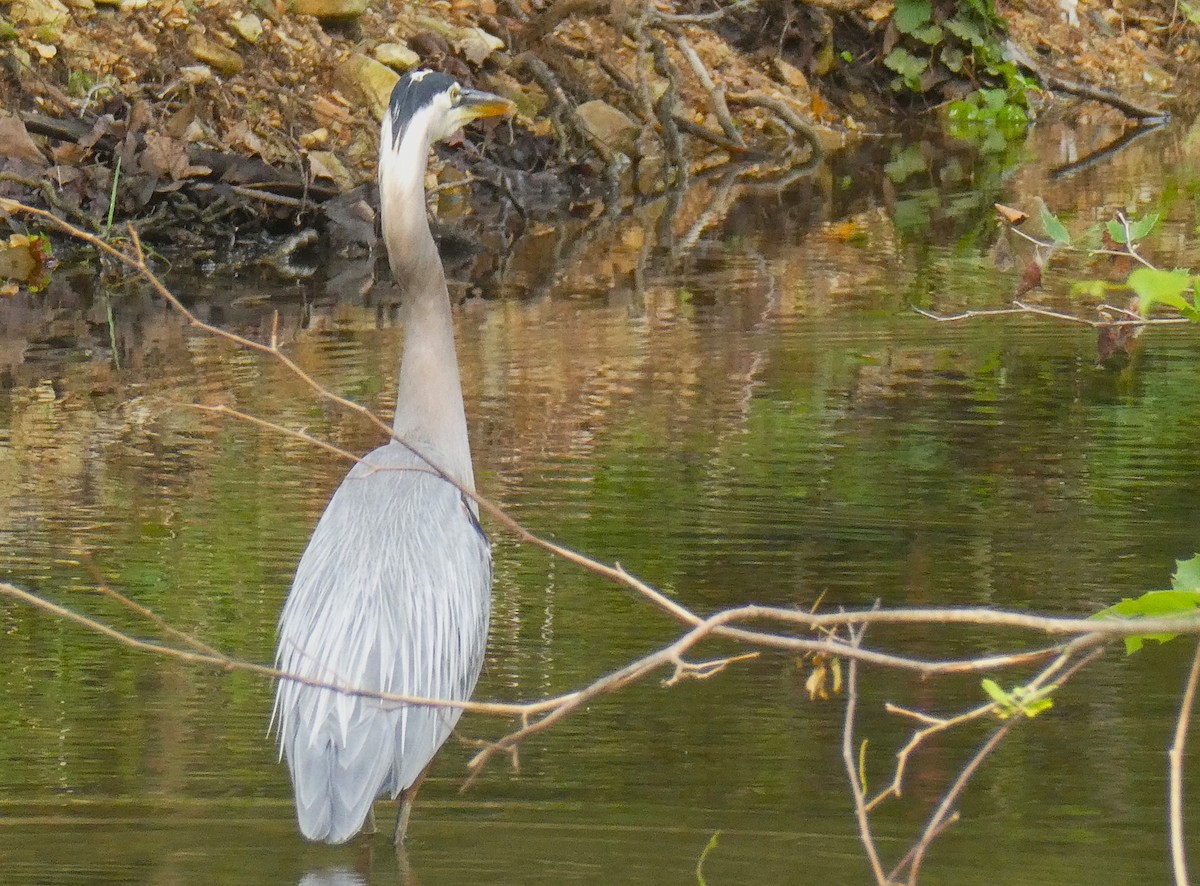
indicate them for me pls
(1183, 599)
(1155, 287)
(989, 117)
(1178, 289)
(941, 40)
(1019, 699)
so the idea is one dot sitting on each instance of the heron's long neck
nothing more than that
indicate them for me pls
(429, 403)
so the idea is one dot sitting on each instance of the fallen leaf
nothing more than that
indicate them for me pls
(1012, 216)
(165, 156)
(15, 141)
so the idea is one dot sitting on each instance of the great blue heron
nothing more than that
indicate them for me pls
(394, 590)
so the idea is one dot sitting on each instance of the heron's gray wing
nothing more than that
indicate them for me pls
(392, 594)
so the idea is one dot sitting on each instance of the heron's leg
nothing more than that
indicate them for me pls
(371, 827)
(406, 801)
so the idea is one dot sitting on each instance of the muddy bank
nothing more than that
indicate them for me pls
(204, 123)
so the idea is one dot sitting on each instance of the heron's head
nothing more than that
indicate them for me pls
(431, 106)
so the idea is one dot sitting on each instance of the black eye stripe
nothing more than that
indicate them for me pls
(414, 91)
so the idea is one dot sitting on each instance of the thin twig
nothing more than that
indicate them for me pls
(1175, 756)
(227, 663)
(933, 726)
(101, 587)
(942, 816)
(704, 17)
(1024, 308)
(857, 788)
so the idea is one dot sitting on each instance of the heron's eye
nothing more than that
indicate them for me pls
(455, 93)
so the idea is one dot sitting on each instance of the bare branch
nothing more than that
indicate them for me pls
(225, 663)
(857, 788)
(943, 816)
(934, 726)
(1023, 308)
(1175, 755)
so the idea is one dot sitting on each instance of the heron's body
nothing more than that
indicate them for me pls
(394, 589)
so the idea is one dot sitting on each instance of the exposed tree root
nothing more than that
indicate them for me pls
(665, 81)
(1058, 83)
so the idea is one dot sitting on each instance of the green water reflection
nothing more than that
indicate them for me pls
(745, 430)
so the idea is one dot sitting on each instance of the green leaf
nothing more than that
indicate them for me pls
(1091, 288)
(1187, 574)
(1091, 238)
(953, 58)
(1192, 12)
(965, 29)
(1156, 604)
(1138, 228)
(1029, 702)
(929, 34)
(1055, 229)
(999, 696)
(1116, 230)
(907, 66)
(1032, 708)
(1143, 226)
(905, 164)
(1161, 287)
(912, 14)
(994, 100)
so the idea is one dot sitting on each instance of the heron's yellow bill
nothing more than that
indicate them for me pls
(474, 104)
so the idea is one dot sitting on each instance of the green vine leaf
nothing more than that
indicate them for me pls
(912, 14)
(1182, 600)
(1055, 229)
(1155, 287)
(908, 66)
(1019, 700)
(966, 30)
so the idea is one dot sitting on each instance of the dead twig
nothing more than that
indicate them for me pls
(1175, 756)
(796, 124)
(1035, 311)
(933, 726)
(853, 770)
(224, 662)
(943, 816)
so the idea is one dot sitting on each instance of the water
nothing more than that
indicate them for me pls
(737, 406)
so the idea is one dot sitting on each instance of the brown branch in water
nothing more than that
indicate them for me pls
(698, 130)
(667, 106)
(1175, 756)
(1058, 83)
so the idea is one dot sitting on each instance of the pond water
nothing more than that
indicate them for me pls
(729, 394)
